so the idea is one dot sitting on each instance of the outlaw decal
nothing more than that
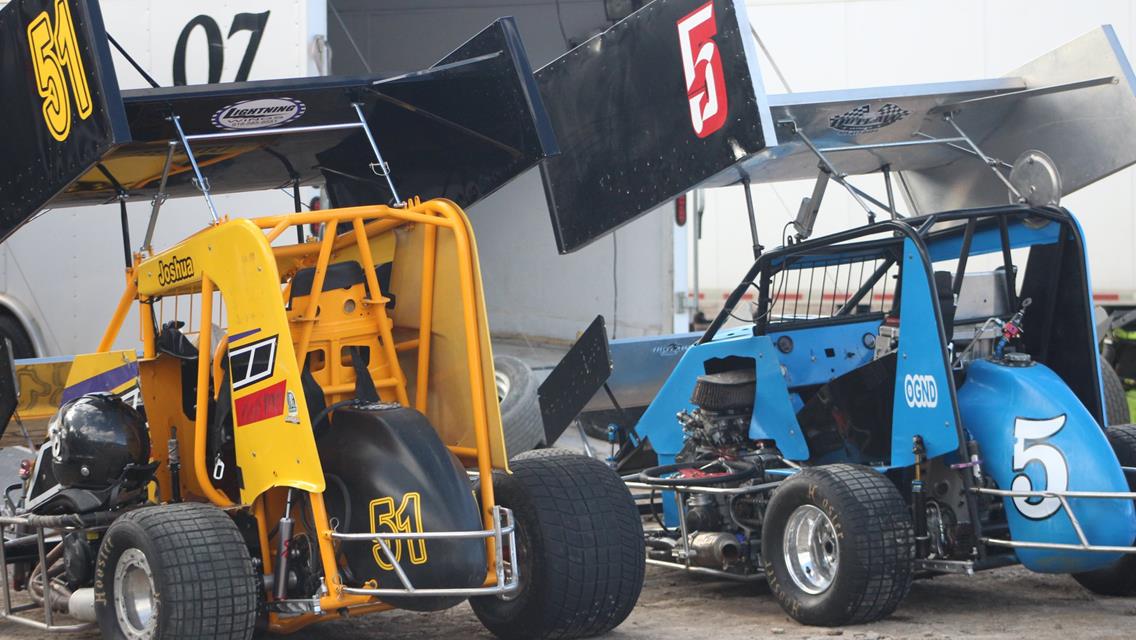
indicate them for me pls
(174, 270)
(863, 120)
(702, 68)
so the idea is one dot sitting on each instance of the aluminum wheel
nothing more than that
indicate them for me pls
(812, 552)
(134, 602)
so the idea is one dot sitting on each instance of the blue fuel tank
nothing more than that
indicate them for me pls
(1034, 435)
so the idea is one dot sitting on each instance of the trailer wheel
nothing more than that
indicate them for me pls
(1119, 578)
(579, 547)
(838, 545)
(11, 329)
(176, 571)
(520, 406)
(1115, 400)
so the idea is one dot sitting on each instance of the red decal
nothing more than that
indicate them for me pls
(702, 67)
(261, 405)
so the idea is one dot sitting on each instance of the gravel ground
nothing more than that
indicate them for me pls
(1004, 604)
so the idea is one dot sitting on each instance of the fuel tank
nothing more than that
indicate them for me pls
(1035, 435)
(388, 471)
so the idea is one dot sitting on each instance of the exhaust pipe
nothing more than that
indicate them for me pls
(715, 550)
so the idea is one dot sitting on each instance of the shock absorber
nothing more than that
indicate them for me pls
(174, 456)
(919, 501)
(280, 574)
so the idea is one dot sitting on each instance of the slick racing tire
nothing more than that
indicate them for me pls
(1115, 400)
(175, 572)
(579, 547)
(1119, 578)
(520, 406)
(838, 545)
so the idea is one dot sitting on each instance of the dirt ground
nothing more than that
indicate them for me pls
(1004, 604)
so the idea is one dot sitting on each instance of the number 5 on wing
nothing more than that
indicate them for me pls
(1030, 445)
(54, 50)
(702, 69)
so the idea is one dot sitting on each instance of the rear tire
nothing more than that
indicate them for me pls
(580, 543)
(175, 572)
(520, 406)
(1119, 578)
(1115, 399)
(853, 542)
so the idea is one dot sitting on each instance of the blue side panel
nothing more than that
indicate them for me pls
(776, 418)
(990, 241)
(1034, 434)
(659, 424)
(810, 362)
(922, 385)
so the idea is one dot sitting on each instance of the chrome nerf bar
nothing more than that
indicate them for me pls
(1063, 498)
(503, 533)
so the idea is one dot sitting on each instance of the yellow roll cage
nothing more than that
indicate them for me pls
(434, 353)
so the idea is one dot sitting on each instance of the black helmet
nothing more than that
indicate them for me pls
(93, 438)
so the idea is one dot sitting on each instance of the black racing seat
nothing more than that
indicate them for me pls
(341, 275)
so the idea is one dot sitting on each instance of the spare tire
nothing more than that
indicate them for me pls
(520, 407)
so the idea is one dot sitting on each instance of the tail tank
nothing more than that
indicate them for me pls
(1035, 435)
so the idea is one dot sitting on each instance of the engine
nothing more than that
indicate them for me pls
(717, 453)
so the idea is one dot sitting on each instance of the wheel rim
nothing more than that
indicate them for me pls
(503, 385)
(812, 551)
(134, 603)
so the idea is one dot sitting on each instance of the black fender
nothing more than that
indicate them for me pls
(387, 469)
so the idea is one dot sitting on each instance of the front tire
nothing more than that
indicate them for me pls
(1119, 578)
(838, 545)
(580, 548)
(175, 572)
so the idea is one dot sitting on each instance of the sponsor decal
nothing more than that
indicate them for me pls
(920, 392)
(252, 362)
(293, 408)
(261, 405)
(669, 349)
(863, 120)
(174, 270)
(260, 113)
(1031, 446)
(702, 68)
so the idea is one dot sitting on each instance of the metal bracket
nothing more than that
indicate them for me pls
(199, 180)
(378, 155)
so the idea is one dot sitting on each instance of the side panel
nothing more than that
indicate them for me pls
(924, 398)
(659, 424)
(273, 433)
(1035, 434)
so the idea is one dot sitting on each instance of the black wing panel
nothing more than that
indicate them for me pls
(59, 99)
(650, 108)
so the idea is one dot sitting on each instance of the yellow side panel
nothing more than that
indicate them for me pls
(41, 387)
(449, 405)
(113, 371)
(273, 435)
